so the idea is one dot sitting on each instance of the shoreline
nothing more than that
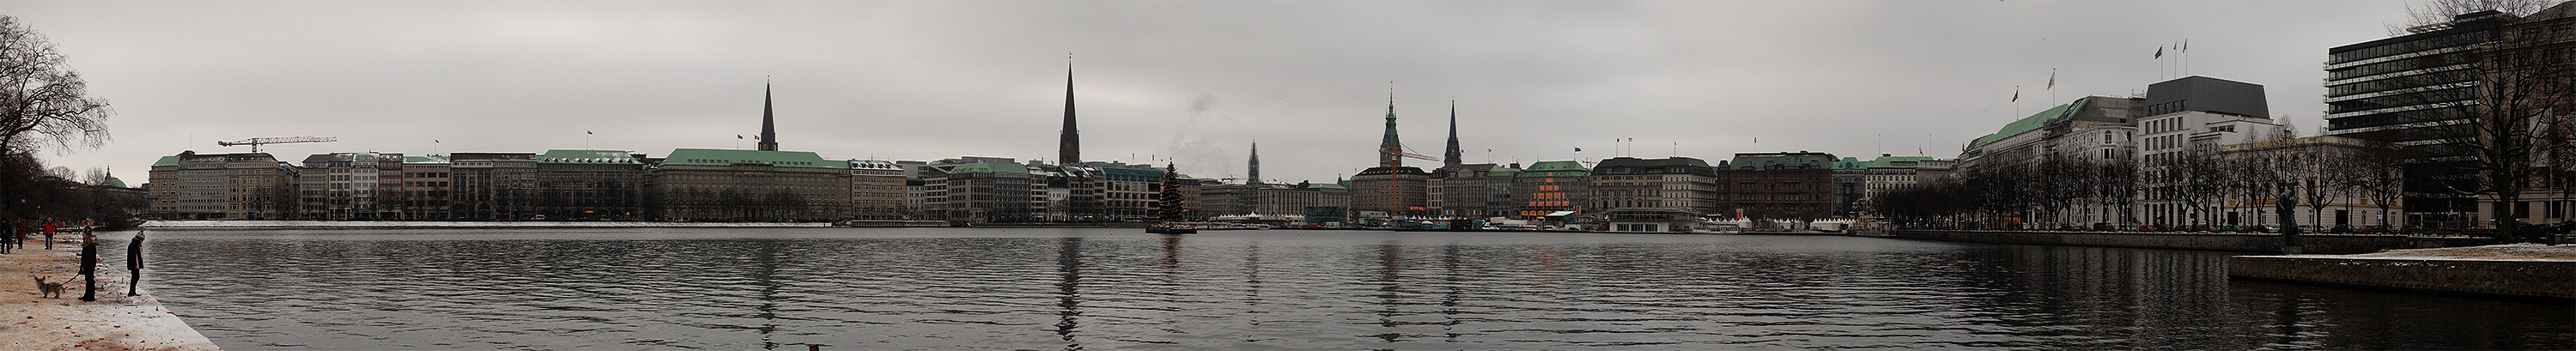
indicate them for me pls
(277, 225)
(114, 322)
(2510, 270)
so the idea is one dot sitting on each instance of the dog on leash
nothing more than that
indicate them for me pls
(53, 290)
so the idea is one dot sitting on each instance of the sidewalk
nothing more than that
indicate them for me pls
(114, 322)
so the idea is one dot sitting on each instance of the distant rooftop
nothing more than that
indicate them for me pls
(728, 157)
(621, 157)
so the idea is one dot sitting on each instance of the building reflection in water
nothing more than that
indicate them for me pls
(1068, 263)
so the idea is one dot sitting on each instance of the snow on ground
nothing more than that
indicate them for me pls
(29, 321)
(2504, 252)
(393, 224)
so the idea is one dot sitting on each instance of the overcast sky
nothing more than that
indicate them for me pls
(1196, 82)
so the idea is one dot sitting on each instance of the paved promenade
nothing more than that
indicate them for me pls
(114, 322)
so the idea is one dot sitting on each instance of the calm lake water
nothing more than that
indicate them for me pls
(1071, 289)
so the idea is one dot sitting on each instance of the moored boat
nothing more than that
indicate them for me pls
(1172, 228)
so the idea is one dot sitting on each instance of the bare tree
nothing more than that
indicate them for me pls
(2320, 183)
(2117, 187)
(2062, 180)
(2480, 118)
(2421, 15)
(40, 99)
(2254, 177)
(2197, 177)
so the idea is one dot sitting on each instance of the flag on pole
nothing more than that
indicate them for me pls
(1578, 149)
(2016, 95)
(2160, 52)
(755, 137)
(2052, 79)
(737, 136)
(2186, 45)
(587, 132)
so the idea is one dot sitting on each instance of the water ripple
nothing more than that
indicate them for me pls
(1085, 289)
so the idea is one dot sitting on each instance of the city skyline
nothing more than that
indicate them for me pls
(932, 81)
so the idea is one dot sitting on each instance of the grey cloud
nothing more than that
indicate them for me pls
(928, 80)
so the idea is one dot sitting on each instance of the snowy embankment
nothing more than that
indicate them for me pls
(2507, 252)
(451, 225)
(2525, 270)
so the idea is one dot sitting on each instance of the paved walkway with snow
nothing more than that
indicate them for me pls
(29, 321)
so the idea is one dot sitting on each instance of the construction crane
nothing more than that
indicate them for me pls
(256, 142)
(1397, 150)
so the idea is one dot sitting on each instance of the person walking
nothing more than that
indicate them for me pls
(89, 267)
(49, 234)
(134, 264)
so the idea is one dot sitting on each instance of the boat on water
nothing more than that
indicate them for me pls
(1172, 228)
(1225, 226)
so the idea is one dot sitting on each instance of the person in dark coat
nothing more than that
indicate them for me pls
(89, 267)
(134, 264)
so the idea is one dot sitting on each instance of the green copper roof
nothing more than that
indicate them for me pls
(1850, 163)
(425, 159)
(112, 181)
(1555, 169)
(1890, 161)
(1326, 186)
(727, 157)
(172, 160)
(989, 168)
(2024, 125)
(1133, 172)
(621, 157)
(1556, 166)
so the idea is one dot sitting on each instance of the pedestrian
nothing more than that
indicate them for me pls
(49, 234)
(89, 267)
(134, 264)
(12, 232)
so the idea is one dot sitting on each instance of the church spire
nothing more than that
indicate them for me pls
(1069, 147)
(768, 123)
(1452, 157)
(1255, 168)
(1389, 151)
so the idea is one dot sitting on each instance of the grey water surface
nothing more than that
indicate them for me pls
(1071, 289)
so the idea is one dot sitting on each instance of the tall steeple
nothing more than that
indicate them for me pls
(1452, 157)
(1388, 150)
(1069, 149)
(768, 123)
(1255, 168)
